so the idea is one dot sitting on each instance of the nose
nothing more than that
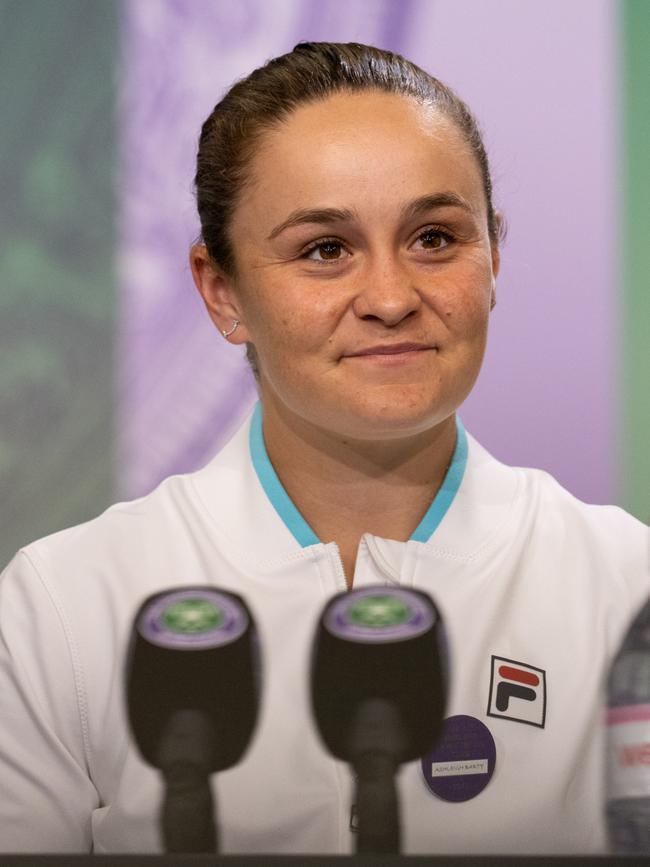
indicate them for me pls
(386, 293)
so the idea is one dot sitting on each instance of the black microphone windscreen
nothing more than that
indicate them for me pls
(379, 643)
(194, 649)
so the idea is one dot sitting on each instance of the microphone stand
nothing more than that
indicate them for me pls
(376, 747)
(185, 757)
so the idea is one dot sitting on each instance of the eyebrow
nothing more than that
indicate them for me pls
(432, 202)
(312, 215)
(341, 215)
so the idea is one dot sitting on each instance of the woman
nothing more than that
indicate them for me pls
(349, 239)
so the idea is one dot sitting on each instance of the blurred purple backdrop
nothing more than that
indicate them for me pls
(542, 86)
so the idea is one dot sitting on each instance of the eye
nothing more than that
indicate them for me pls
(327, 250)
(433, 239)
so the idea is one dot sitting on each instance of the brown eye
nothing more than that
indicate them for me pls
(330, 251)
(433, 240)
(327, 251)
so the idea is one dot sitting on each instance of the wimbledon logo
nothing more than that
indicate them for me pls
(378, 612)
(191, 616)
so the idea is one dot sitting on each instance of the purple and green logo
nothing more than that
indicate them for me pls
(379, 614)
(191, 616)
(193, 619)
(379, 611)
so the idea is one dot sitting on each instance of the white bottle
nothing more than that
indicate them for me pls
(628, 742)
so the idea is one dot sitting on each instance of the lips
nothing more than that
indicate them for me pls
(393, 349)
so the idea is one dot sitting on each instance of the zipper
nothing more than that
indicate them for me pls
(335, 559)
(380, 561)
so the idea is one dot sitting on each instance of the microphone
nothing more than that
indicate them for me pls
(192, 692)
(378, 689)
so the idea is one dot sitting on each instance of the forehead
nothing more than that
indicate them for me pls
(370, 145)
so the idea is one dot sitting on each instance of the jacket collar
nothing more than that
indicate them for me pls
(245, 498)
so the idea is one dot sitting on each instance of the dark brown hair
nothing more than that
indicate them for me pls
(262, 100)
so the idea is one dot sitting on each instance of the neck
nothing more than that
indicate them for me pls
(345, 487)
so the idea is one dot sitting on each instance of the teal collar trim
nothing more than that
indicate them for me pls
(300, 529)
(448, 490)
(273, 487)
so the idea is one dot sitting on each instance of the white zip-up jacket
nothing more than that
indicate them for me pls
(525, 577)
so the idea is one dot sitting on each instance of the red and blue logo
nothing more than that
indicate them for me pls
(517, 692)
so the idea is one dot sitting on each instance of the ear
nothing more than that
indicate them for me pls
(495, 271)
(496, 264)
(495, 251)
(218, 292)
(493, 298)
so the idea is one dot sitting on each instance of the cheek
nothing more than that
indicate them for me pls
(287, 334)
(467, 313)
(462, 299)
(309, 320)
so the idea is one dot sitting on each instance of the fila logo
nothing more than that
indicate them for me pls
(632, 755)
(517, 692)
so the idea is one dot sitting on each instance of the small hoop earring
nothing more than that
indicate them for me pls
(235, 326)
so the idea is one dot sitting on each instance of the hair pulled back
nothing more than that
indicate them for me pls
(262, 100)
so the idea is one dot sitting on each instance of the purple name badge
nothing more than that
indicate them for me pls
(462, 762)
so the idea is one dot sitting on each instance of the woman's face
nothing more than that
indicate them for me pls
(364, 269)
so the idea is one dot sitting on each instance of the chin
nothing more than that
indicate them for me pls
(393, 421)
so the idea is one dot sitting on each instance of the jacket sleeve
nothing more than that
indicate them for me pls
(46, 794)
